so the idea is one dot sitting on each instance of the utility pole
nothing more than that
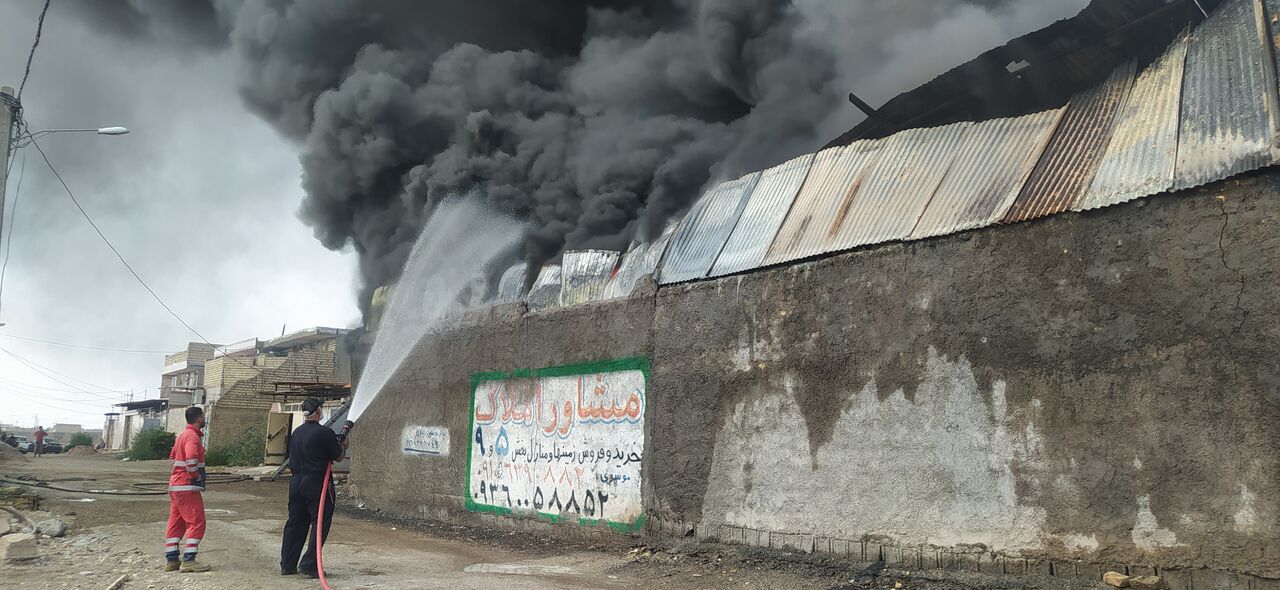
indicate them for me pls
(8, 109)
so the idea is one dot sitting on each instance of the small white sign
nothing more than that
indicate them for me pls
(425, 440)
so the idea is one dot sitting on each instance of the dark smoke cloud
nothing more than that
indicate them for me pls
(594, 121)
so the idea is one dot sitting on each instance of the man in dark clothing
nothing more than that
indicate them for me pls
(312, 448)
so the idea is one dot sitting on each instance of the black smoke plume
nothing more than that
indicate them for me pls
(595, 120)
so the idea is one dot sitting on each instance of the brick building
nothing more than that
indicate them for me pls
(182, 382)
(239, 377)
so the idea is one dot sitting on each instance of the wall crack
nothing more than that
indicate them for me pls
(1222, 255)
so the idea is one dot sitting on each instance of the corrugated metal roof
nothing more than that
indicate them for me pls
(1067, 166)
(1064, 58)
(511, 285)
(546, 289)
(990, 165)
(1140, 157)
(584, 275)
(762, 216)
(819, 207)
(899, 186)
(1228, 115)
(705, 229)
(641, 259)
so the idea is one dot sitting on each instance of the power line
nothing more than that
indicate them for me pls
(52, 405)
(13, 221)
(84, 213)
(136, 277)
(30, 390)
(80, 346)
(25, 385)
(32, 54)
(41, 369)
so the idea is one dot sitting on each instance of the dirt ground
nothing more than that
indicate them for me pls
(111, 535)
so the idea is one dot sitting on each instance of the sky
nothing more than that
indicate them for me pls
(200, 198)
(593, 127)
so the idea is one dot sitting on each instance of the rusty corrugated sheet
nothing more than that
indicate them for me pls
(1141, 155)
(545, 292)
(1066, 168)
(511, 285)
(1227, 118)
(584, 275)
(704, 230)
(899, 186)
(817, 211)
(762, 217)
(641, 259)
(989, 168)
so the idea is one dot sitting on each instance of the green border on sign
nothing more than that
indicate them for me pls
(610, 366)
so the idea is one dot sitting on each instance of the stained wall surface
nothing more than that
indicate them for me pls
(1099, 386)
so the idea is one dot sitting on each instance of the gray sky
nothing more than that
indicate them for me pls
(200, 198)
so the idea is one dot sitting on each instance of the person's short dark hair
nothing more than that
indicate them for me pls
(194, 413)
(310, 405)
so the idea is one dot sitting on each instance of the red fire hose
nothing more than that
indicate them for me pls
(324, 489)
(324, 493)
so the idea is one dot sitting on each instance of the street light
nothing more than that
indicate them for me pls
(10, 111)
(25, 140)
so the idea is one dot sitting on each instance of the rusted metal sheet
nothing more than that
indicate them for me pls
(989, 169)
(899, 186)
(584, 275)
(819, 207)
(704, 230)
(545, 292)
(511, 285)
(641, 259)
(1227, 118)
(1141, 155)
(1066, 168)
(762, 216)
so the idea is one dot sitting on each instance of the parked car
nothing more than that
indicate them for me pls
(52, 447)
(22, 444)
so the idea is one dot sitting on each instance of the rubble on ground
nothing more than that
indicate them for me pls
(53, 527)
(10, 454)
(18, 547)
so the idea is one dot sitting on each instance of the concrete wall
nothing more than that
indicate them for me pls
(1099, 387)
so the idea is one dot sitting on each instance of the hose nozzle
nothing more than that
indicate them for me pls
(346, 429)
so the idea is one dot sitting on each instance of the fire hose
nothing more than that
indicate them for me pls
(142, 488)
(324, 489)
(324, 493)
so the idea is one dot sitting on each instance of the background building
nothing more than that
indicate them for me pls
(240, 377)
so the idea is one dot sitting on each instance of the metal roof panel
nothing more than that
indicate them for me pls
(704, 230)
(1228, 105)
(545, 292)
(819, 207)
(1066, 168)
(898, 187)
(584, 275)
(641, 259)
(511, 285)
(989, 168)
(1140, 157)
(763, 215)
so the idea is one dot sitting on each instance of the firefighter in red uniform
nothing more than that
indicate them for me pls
(186, 497)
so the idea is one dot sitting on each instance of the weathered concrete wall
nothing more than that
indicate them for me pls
(434, 390)
(1100, 386)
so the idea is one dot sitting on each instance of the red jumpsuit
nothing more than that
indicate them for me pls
(186, 495)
